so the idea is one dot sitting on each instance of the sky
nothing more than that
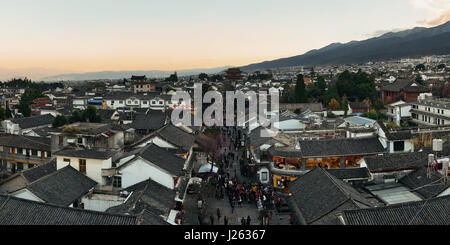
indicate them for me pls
(85, 36)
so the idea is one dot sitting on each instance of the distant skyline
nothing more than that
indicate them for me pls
(86, 36)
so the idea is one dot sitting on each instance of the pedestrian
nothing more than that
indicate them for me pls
(232, 208)
(211, 219)
(249, 220)
(243, 222)
(218, 215)
(225, 220)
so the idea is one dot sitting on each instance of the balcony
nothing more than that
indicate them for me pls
(23, 158)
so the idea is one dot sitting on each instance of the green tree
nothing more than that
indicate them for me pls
(420, 67)
(345, 106)
(288, 94)
(90, 115)
(59, 121)
(27, 99)
(2, 114)
(300, 90)
(75, 117)
(203, 76)
(441, 66)
(419, 79)
(357, 86)
(331, 93)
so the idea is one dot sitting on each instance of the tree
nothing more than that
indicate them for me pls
(345, 106)
(372, 114)
(90, 115)
(2, 114)
(288, 94)
(27, 99)
(420, 67)
(59, 121)
(331, 93)
(419, 79)
(334, 105)
(300, 90)
(446, 91)
(8, 112)
(318, 89)
(203, 76)
(357, 86)
(75, 117)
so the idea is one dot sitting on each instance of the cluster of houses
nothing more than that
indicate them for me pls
(136, 165)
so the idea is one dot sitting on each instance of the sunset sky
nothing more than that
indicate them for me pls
(85, 35)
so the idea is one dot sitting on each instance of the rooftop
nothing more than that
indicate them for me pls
(15, 211)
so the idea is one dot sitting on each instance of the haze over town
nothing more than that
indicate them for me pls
(59, 37)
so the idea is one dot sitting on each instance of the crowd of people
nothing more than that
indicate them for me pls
(222, 185)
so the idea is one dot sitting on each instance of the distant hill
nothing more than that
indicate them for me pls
(128, 74)
(393, 45)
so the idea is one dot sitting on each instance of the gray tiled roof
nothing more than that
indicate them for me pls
(177, 136)
(318, 194)
(26, 142)
(404, 85)
(164, 159)
(62, 187)
(33, 122)
(17, 211)
(395, 135)
(420, 183)
(396, 161)
(36, 173)
(152, 199)
(88, 153)
(435, 211)
(153, 121)
(350, 173)
(341, 147)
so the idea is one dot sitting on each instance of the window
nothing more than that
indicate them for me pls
(34, 152)
(82, 165)
(121, 102)
(117, 181)
(161, 102)
(80, 140)
(19, 166)
(399, 146)
(264, 176)
(136, 102)
(66, 160)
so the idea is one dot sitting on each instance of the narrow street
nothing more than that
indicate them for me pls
(212, 203)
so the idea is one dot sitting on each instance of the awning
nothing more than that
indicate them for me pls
(207, 169)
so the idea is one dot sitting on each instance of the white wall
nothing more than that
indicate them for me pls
(162, 143)
(445, 193)
(140, 170)
(26, 194)
(101, 202)
(93, 166)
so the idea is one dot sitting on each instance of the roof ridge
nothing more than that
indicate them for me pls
(338, 183)
(68, 208)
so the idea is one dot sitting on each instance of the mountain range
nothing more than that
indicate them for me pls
(40, 74)
(411, 43)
